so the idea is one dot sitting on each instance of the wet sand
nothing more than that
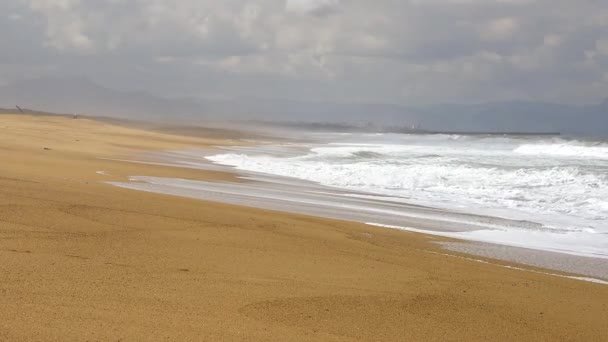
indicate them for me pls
(293, 195)
(83, 260)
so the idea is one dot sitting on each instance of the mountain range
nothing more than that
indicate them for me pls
(82, 96)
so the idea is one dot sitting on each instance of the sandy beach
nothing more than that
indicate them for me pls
(82, 260)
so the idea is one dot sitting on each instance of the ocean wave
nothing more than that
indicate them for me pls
(566, 149)
(568, 194)
(367, 155)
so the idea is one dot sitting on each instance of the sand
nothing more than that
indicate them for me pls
(81, 260)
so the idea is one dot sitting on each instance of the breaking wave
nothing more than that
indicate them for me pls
(557, 182)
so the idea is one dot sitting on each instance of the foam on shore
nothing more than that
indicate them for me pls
(298, 195)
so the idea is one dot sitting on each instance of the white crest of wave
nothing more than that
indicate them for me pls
(564, 190)
(561, 184)
(566, 149)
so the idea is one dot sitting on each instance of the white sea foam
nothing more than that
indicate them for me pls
(566, 192)
(568, 150)
(560, 184)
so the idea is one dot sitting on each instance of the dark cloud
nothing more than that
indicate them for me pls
(395, 51)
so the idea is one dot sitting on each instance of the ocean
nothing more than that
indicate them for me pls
(558, 184)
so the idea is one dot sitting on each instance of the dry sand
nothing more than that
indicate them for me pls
(84, 261)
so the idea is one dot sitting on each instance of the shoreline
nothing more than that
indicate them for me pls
(86, 260)
(283, 194)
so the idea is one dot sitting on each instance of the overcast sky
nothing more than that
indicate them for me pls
(392, 51)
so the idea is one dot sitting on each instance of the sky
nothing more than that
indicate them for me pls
(380, 51)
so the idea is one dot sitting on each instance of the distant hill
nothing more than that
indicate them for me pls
(81, 96)
(28, 111)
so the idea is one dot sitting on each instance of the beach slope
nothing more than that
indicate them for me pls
(83, 260)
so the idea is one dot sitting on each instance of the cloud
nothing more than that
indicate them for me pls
(394, 51)
(602, 46)
(65, 26)
(500, 29)
(313, 7)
